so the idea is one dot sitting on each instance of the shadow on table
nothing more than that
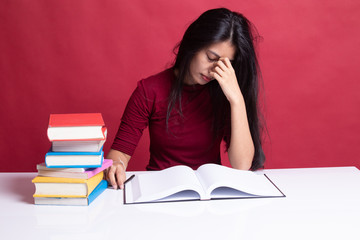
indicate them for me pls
(23, 187)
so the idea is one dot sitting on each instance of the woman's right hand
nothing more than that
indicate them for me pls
(115, 175)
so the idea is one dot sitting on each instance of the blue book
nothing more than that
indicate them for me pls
(97, 191)
(74, 159)
(100, 188)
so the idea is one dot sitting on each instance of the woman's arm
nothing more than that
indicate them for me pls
(116, 173)
(134, 120)
(241, 149)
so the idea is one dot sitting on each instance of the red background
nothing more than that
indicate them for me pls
(65, 56)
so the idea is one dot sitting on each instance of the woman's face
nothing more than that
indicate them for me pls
(205, 61)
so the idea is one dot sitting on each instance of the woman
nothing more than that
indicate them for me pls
(209, 95)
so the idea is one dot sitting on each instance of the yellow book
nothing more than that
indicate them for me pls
(65, 187)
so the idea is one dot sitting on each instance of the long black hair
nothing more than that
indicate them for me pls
(213, 26)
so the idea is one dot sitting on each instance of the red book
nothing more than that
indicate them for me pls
(76, 127)
(76, 120)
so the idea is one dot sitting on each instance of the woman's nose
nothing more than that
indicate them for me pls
(212, 66)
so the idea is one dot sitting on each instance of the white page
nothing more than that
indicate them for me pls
(181, 196)
(160, 184)
(213, 176)
(78, 132)
(77, 146)
(71, 160)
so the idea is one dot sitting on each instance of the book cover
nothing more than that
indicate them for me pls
(86, 173)
(97, 191)
(74, 159)
(53, 153)
(100, 188)
(80, 126)
(65, 187)
(76, 119)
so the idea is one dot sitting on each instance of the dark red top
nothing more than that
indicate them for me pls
(189, 139)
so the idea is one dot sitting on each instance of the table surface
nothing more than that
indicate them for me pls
(320, 203)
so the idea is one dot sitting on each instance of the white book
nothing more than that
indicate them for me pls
(210, 181)
(78, 146)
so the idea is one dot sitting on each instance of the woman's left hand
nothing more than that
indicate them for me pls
(224, 73)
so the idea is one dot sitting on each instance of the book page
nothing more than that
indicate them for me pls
(72, 133)
(220, 181)
(42, 166)
(77, 146)
(170, 184)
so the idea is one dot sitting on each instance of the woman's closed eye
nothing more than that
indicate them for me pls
(212, 59)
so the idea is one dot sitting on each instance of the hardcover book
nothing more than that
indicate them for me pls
(79, 146)
(65, 187)
(210, 181)
(82, 173)
(76, 126)
(74, 201)
(74, 159)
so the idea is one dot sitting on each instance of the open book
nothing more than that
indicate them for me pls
(210, 181)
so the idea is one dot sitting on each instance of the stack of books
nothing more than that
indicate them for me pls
(73, 171)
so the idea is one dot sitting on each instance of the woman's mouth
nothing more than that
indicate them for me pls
(207, 79)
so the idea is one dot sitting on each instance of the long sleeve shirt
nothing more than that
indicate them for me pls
(188, 139)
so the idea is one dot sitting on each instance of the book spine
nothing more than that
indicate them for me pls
(106, 163)
(59, 196)
(51, 153)
(97, 191)
(75, 166)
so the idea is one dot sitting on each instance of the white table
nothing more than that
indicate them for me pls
(320, 203)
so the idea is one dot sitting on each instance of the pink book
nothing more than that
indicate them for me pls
(81, 173)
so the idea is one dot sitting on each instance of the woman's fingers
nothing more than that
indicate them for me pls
(223, 67)
(224, 73)
(120, 176)
(111, 177)
(116, 176)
